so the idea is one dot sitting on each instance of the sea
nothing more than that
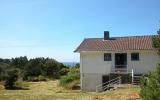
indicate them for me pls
(70, 63)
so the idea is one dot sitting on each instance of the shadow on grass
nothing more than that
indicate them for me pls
(17, 88)
(76, 88)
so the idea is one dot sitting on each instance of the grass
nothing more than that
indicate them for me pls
(51, 90)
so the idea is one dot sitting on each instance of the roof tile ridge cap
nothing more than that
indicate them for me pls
(91, 38)
(135, 36)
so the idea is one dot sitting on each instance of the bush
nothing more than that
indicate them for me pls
(36, 79)
(11, 78)
(41, 78)
(3, 68)
(150, 86)
(64, 71)
(20, 84)
(74, 70)
(65, 80)
(73, 84)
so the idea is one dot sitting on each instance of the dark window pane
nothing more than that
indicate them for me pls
(107, 57)
(135, 56)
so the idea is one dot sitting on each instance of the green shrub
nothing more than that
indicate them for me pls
(41, 78)
(150, 86)
(74, 70)
(11, 78)
(73, 84)
(65, 80)
(64, 71)
(21, 84)
(28, 78)
(36, 79)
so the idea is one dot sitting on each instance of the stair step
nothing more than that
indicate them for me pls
(135, 84)
(136, 80)
(137, 76)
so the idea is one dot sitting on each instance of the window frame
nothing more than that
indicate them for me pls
(133, 58)
(109, 58)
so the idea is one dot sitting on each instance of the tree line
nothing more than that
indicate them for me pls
(35, 69)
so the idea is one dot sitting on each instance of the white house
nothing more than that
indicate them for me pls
(102, 56)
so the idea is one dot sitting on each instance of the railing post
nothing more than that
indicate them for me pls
(119, 80)
(132, 75)
(96, 89)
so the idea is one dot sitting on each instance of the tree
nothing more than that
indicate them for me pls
(42, 66)
(3, 68)
(33, 68)
(11, 78)
(150, 86)
(156, 43)
(19, 62)
(52, 68)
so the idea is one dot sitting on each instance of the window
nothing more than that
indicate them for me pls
(107, 57)
(135, 56)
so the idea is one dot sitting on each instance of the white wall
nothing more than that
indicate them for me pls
(93, 66)
(90, 81)
(147, 62)
(94, 63)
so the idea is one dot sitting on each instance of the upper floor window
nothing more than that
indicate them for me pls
(107, 57)
(135, 56)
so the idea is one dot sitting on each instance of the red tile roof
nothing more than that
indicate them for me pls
(117, 43)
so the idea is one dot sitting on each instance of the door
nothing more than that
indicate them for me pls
(121, 60)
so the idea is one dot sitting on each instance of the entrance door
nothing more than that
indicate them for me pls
(121, 60)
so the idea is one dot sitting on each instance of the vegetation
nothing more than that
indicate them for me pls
(150, 89)
(50, 90)
(11, 78)
(156, 43)
(71, 80)
(38, 69)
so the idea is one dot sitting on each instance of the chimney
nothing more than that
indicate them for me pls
(106, 35)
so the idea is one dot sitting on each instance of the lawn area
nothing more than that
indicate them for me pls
(50, 90)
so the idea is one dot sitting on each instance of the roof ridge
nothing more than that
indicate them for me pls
(135, 36)
(124, 37)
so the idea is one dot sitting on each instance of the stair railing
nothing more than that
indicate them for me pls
(108, 84)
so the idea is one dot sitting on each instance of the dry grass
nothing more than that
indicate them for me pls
(50, 90)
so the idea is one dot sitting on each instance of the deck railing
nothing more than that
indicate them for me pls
(115, 69)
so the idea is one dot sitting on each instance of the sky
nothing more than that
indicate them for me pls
(54, 28)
